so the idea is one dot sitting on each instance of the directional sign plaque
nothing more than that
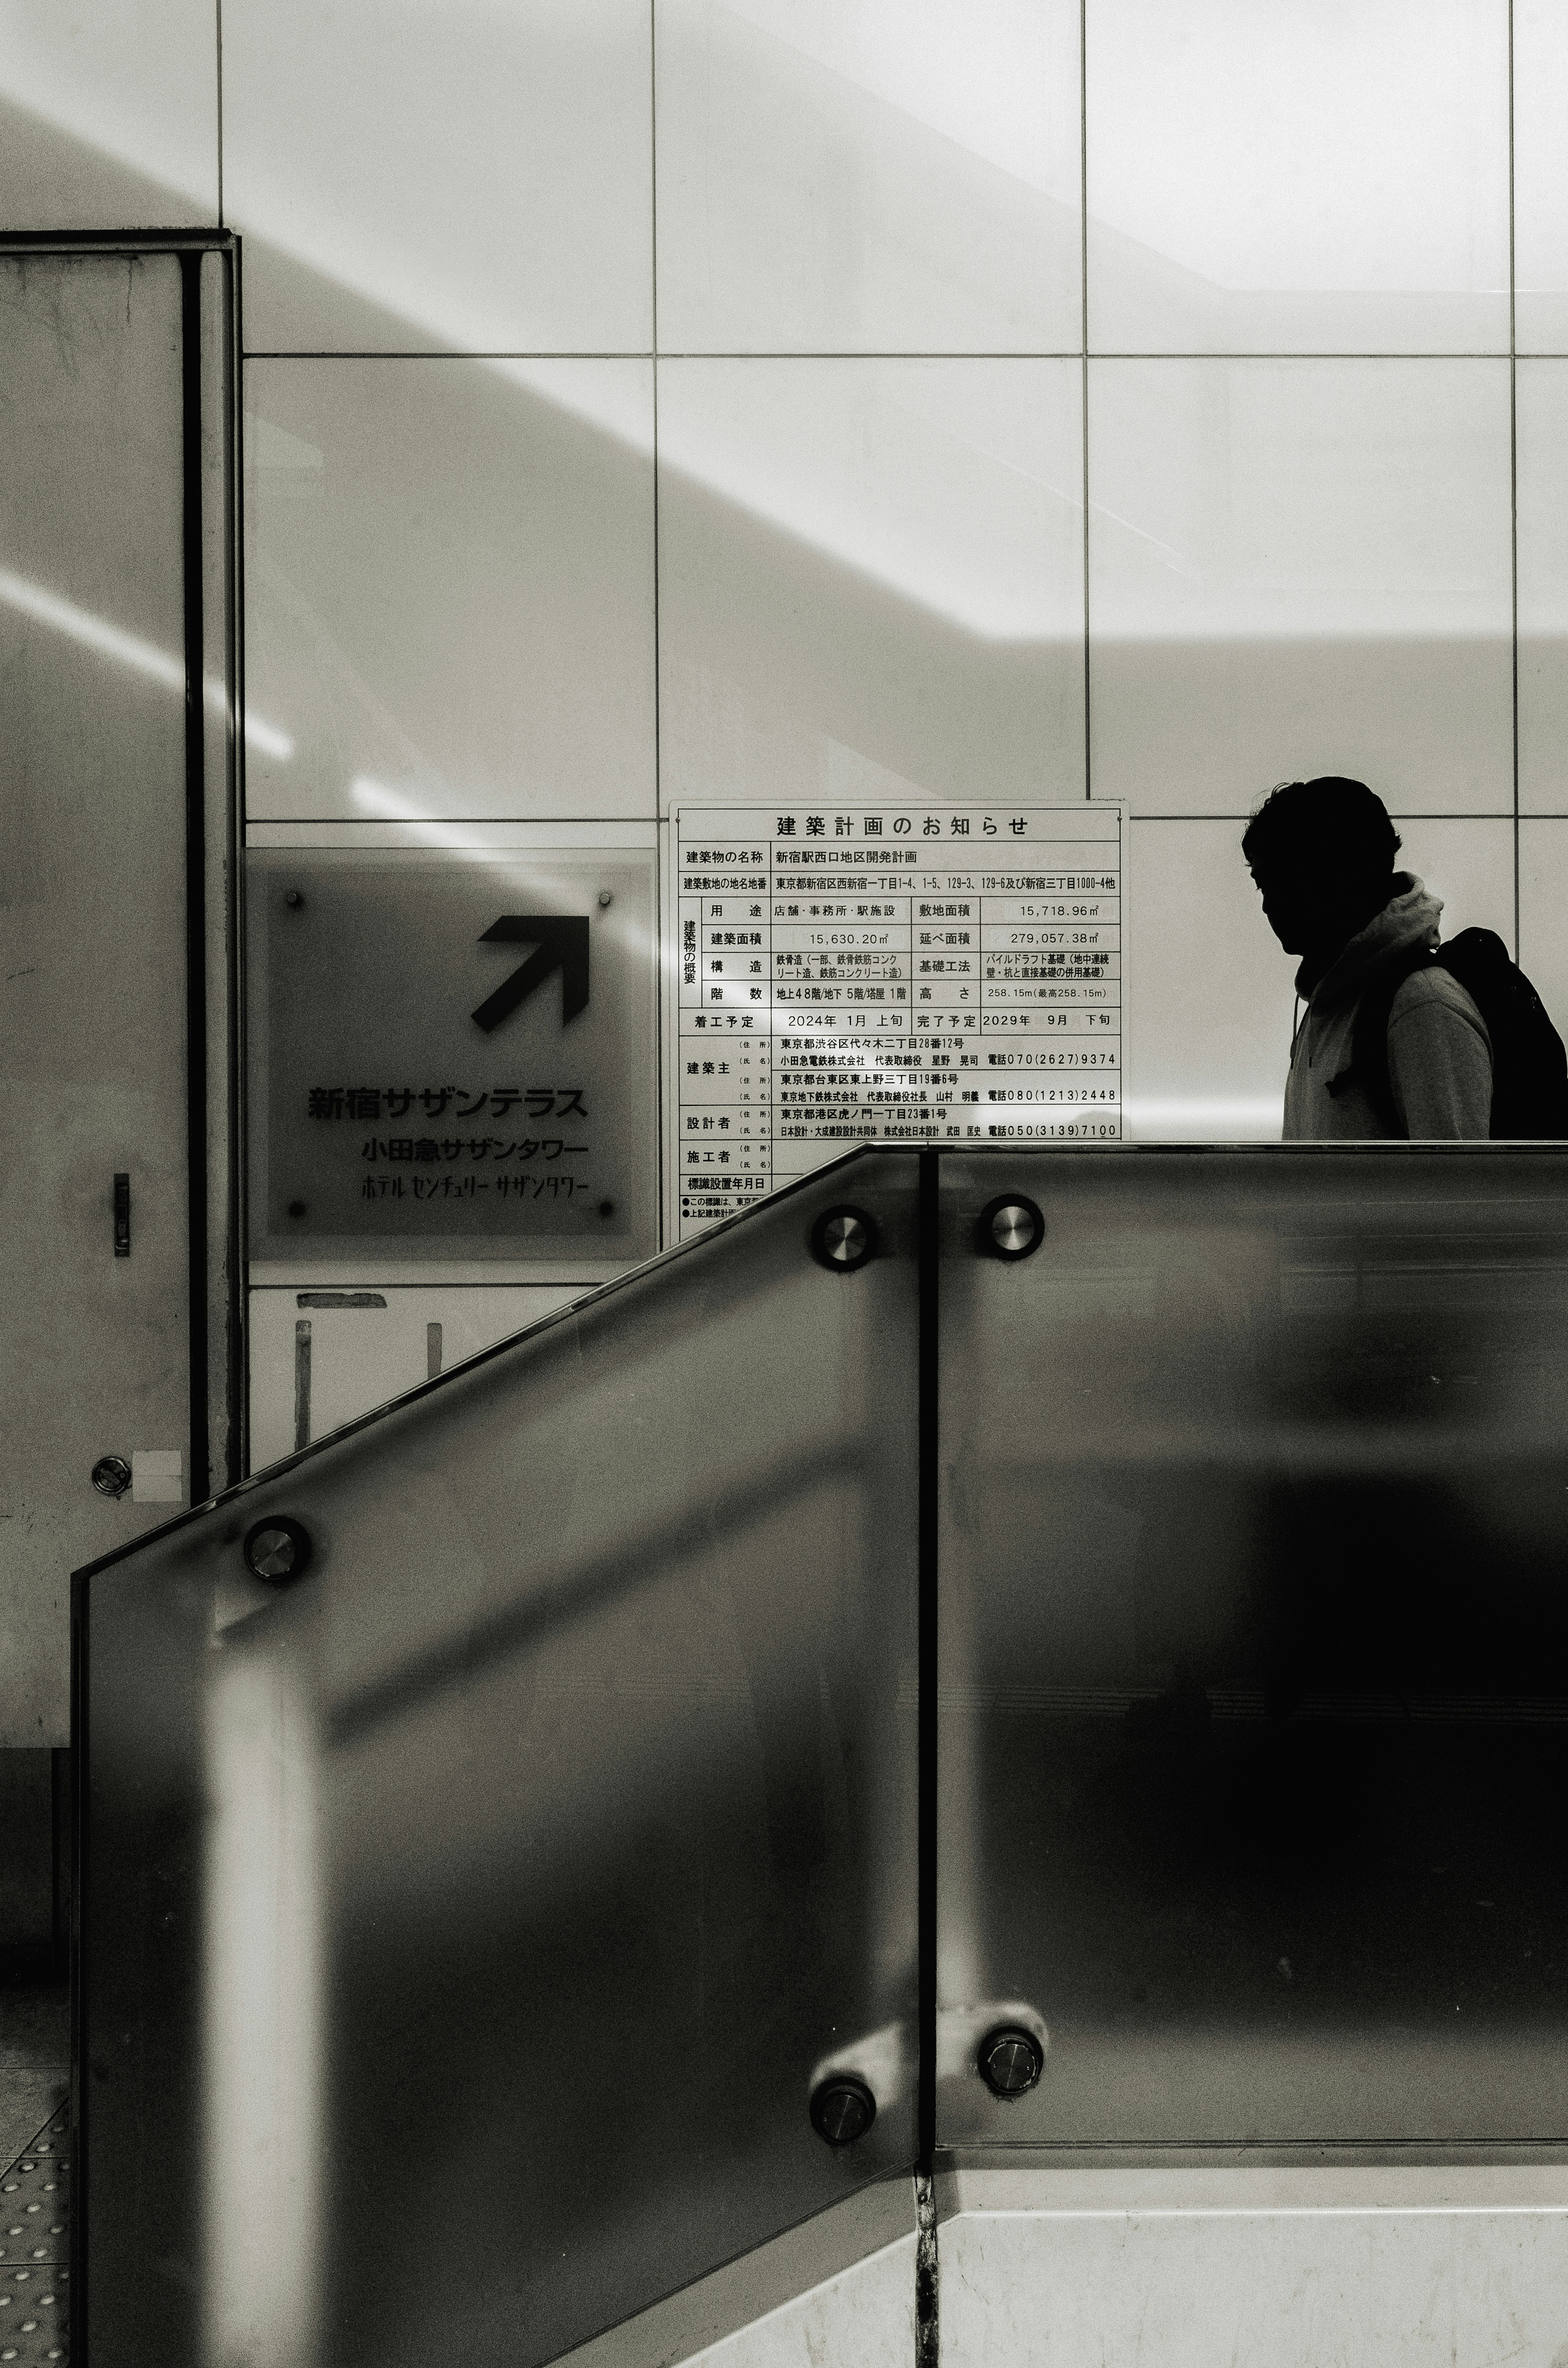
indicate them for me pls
(451, 1055)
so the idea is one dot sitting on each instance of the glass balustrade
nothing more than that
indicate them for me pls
(1254, 1646)
(475, 1912)
(471, 1913)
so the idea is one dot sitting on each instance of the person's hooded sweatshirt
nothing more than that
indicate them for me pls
(1439, 1052)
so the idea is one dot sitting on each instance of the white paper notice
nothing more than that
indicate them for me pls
(898, 974)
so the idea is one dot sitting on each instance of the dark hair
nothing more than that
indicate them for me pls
(1329, 824)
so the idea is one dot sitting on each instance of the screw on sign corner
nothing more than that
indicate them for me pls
(278, 1550)
(843, 1239)
(843, 2109)
(111, 1475)
(1011, 2061)
(1010, 1227)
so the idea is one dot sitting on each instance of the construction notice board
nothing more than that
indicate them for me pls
(903, 975)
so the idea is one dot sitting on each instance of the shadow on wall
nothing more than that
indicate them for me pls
(869, 584)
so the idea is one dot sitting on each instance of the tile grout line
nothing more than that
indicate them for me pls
(1514, 473)
(890, 354)
(1083, 365)
(661, 1019)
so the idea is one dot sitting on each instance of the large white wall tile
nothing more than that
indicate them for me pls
(1301, 567)
(1542, 419)
(871, 578)
(1210, 992)
(881, 176)
(1330, 177)
(450, 588)
(1543, 901)
(472, 175)
(1540, 191)
(1468, 864)
(1208, 995)
(108, 114)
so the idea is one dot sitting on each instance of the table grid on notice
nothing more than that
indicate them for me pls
(901, 974)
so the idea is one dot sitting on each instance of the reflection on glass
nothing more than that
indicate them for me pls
(526, 1863)
(1298, 567)
(1255, 1653)
(1316, 178)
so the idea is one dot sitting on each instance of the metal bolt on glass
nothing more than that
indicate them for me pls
(277, 1549)
(111, 1475)
(1011, 1227)
(843, 1239)
(1011, 2061)
(843, 2109)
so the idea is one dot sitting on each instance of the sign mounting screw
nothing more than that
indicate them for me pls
(843, 1239)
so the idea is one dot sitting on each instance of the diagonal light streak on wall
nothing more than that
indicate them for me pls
(112, 642)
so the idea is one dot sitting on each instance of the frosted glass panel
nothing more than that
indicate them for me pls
(1301, 567)
(471, 1922)
(1540, 198)
(450, 588)
(871, 578)
(1542, 401)
(880, 176)
(1255, 1661)
(1330, 177)
(108, 114)
(322, 1356)
(441, 174)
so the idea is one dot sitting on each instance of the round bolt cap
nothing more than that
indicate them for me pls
(111, 1475)
(843, 1239)
(277, 1549)
(843, 2109)
(1011, 1227)
(1011, 2061)
(293, 899)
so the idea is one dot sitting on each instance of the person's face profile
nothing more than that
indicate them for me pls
(1288, 907)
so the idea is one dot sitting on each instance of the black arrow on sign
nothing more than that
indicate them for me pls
(562, 943)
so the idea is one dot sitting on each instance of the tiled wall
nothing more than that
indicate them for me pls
(652, 400)
(662, 399)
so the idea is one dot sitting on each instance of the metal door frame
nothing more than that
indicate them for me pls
(210, 379)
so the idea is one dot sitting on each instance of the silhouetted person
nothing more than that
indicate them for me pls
(1322, 853)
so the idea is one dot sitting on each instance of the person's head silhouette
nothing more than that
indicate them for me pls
(1321, 854)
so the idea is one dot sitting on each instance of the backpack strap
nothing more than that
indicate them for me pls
(1368, 1067)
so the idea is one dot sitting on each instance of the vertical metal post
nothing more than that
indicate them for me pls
(927, 1256)
(195, 870)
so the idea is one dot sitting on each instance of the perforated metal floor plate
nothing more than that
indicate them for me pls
(35, 2246)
